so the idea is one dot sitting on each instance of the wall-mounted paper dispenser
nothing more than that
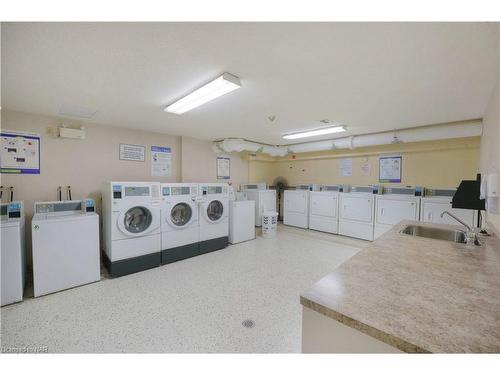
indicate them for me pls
(489, 192)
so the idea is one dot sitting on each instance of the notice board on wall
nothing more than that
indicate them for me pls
(132, 152)
(161, 161)
(390, 168)
(223, 168)
(20, 152)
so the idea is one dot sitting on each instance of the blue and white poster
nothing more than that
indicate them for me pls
(20, 153)
(161, 161)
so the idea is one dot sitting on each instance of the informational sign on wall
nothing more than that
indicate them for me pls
(365, 167)
(346, 167)
(132, 152)
(390, 168)
(20, 152)
(161, 161)
(223, 168)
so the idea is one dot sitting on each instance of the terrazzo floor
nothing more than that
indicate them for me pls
(195, 305)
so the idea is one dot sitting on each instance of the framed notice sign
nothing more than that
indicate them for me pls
(132, 152)
(223, 168)
(20, 152)
(390, 168)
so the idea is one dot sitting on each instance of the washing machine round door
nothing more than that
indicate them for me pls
(181, 214)
(136, 221)
(215, 211)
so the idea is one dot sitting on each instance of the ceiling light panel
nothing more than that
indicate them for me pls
(218, 87)
(316, 132)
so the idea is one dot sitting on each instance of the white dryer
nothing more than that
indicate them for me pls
(357, 211)
(253, 186)
(323, 209)
(13, 252)
(131, 226)
(241, 219)
(296, 205)
(265, 200)
(65, 244)
(435, 201)
(214, 216)
(180, 232)
(394, 205)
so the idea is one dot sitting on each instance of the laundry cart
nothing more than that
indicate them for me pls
(394, 205)
(357, 211)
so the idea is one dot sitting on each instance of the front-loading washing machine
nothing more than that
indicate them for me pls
(13, 252)
(214, 216)
(180, 232)
(131, 226)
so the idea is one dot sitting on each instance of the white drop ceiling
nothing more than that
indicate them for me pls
(369, 76)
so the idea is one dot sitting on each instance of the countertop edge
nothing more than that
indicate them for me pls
(387, 338)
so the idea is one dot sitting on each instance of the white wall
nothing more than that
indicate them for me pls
(86, 164)
(199, 163)
(490, 141)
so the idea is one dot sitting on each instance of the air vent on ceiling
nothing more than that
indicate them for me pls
(77, 111)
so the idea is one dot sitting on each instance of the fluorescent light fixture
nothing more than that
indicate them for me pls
(312, 133)
(218, 87)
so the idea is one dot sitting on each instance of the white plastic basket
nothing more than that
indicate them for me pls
(269, 224)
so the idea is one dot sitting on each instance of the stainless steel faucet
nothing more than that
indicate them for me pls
(470, 235)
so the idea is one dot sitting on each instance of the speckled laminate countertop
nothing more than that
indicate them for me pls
(417, 294)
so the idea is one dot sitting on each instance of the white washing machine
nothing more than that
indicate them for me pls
(180, 231)
(65, 244)
(265, 200)
(131, 226)
(323, 209)
(214, 216)
(394, 205)
(13, 261)
(357, 211)
(296, 205)
(435, 201)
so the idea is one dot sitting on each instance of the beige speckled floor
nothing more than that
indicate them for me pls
(196, 305)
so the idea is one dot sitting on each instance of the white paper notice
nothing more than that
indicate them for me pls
(161, 161)
(223, 168)
(132, 152)
(365, 168)
(346, 167)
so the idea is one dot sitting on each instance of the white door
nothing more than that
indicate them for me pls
(431, 212)
(356, 208)
(214, 211)
(180, 215)
(296, 202)
(323, 205)
(392, 211)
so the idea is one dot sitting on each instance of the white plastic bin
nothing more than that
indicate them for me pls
(269, 224)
